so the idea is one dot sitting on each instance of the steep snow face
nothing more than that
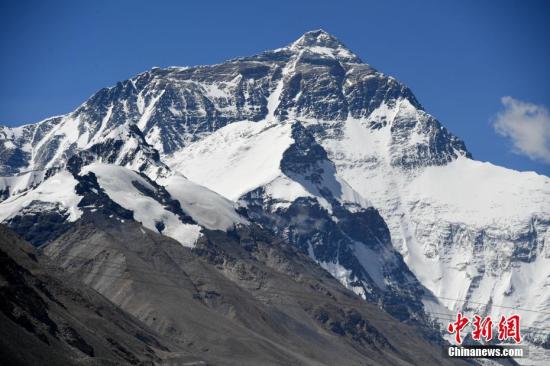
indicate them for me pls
(244, 156)
(58, 191)
(485, 236)
(206, 207)
(133, 192)
(235, 159)
(473, 193)
(472, 233)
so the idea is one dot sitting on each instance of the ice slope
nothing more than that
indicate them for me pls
(480, 193)
(235, 159)
(471, 232)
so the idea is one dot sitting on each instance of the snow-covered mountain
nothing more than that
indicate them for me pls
(327, 152)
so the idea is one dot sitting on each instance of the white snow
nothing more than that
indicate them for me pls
(206, 207)
(22, 182)
(147, 111)
(9, 145)
(65, 131)
(59, 189)
(331, 52)
(102, 128)
(274, 98)
(479, 194)
(236, 158)
(117, 183)
(243, 156)
(215, 91)
(338, 50)
(343, 275)
(12, 133)
(285, 191)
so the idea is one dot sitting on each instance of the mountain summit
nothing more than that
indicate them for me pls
(321, 42)
(319, 38)
(316, 77)
(325, 152)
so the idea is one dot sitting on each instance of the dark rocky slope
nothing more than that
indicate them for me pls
(237, 298)
(47, 318)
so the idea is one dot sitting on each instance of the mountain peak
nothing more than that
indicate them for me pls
(318, 38)
(320, 41)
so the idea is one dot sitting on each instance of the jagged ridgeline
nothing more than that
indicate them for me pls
(322, 151)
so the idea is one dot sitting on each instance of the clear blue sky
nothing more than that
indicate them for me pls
(458, 57)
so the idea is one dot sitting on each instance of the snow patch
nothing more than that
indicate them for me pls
(22, 182)
(59, 189)
(117, 182)
(206, 207)
(147, 111)
(343, 275)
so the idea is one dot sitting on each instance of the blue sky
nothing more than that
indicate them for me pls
(459, 57)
